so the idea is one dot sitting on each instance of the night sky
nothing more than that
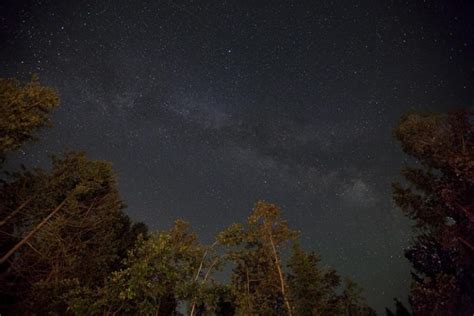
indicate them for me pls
(203, 107)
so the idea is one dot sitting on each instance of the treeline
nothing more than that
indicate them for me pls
(67, 247)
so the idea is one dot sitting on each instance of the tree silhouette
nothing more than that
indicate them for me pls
(439, 198)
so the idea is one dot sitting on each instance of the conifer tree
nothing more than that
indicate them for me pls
(71, 232)
(439, 198)
(313, 289)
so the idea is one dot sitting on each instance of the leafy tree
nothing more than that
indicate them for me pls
(66, 247)
(24, 108)
(258, 280)
(262, 286)
(159, 273)
(439, 198)
(75, 231)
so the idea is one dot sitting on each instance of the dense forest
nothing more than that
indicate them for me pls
(68, 247)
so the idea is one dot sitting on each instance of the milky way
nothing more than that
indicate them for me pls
(203, 107)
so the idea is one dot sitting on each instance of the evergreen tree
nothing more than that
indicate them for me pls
(69, 233)
(439, 198)
(313, 289)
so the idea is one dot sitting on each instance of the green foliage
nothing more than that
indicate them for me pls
(255, 252)
(439, 198)
(162, 264)
(24, 108)
(259, 282)
(159, 272)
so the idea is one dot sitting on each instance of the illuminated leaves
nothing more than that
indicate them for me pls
(24, 108)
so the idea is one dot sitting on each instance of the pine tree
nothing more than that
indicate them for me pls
(70, 233)
(313, 289)
(439, 198)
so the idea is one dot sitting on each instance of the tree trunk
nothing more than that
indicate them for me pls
(196, 277)
(31, 234)
(280, 273)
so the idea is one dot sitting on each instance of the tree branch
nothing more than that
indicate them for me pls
(32, 233)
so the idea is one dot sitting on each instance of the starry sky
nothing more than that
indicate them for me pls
(203, 107)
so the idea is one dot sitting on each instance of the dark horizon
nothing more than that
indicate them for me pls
(205, 108)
